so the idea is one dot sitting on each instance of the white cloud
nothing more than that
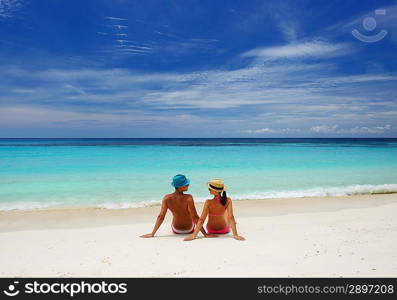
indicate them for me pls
(308, 49)
(114, 18)
(364, 129)
(324, 128)
(117, 26)
(37, 116)
(305, 92)
(354, 130)
(291, 130)
(8, 8)
(360, 78)
(289, 94)
(386, 22)
(171, 41)
(288, 29)
(258, 131)
(271, 130)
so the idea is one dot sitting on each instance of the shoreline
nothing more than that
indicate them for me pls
(89, 216)
(346, 236)
(319, 192)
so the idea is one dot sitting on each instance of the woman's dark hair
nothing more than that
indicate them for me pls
(223, 198)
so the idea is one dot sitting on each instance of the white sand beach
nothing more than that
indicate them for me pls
(349, 236)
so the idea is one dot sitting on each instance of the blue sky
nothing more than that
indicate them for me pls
(197, 68)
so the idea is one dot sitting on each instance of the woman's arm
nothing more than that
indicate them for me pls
(232, 221)
(159, 221)
(199, 223)
(195, 217)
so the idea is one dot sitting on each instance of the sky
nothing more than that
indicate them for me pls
(187, 69)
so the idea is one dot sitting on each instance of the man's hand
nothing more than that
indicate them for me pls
(189, 238)
(149, 235)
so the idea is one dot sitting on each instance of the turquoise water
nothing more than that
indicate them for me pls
(117, 173)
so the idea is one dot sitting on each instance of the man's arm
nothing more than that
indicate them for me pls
(193, 213)
(200, 223)
(160, 219)
(195, 217)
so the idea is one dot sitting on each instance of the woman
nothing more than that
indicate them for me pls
(220, 212)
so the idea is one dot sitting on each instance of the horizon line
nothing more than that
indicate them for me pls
(198, 138)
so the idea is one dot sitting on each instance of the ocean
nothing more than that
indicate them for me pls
(122, 173)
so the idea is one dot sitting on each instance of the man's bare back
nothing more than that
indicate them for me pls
(183, 210)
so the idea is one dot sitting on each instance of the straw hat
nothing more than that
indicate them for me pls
(217, 185)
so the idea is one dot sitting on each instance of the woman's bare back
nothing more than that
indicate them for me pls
(217, 214)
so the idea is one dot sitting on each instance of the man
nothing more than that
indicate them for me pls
(182, 207)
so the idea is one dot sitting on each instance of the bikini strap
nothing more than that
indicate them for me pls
(215, 214)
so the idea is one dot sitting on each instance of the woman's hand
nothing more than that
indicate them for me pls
(239, 237)
(189, 238)
(210, 235)
(149, 235)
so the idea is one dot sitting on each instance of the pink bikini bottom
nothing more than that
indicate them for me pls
(221, 231)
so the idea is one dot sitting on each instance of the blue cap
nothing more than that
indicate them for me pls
(179, 180)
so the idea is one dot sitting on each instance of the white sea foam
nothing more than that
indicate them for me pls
(26, 205)
(124, 205)
(364, 189)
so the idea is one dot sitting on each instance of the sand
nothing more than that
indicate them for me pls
(349, 236)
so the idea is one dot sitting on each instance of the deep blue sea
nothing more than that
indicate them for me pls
(120, 173)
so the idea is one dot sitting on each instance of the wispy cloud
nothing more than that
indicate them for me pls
(259, 131)
(245, 100)
(273, 78)
(353, 130)
(116, 19)
(387, 21)
(293, 88)
(9, 8)
(159, 39)
(116, 43)
(309, 49)
(37, 116)
(289, 30)
(323, 129)
(117, 26)
(265, 131)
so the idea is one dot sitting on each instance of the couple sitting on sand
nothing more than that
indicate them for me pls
(185, 218)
